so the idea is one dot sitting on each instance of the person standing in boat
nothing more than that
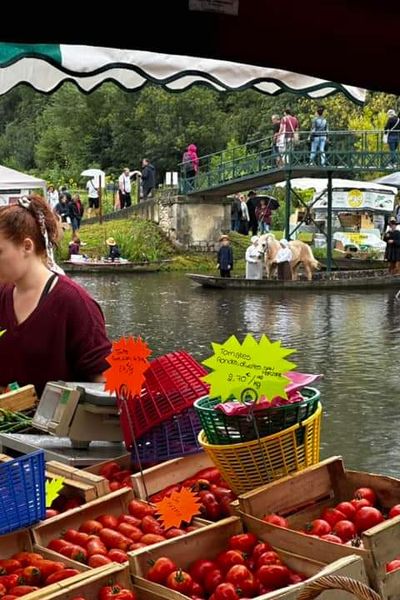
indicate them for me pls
(392, 253)
(225, 257)
(254, 260)
(283, 259)
(53, 329)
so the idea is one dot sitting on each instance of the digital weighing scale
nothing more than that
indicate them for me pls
(80, 422)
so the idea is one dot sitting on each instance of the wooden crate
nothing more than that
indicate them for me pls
(168, 473)
(99, 484)
(303, 496)
(115, 503)
(208, 542)
(22, 399)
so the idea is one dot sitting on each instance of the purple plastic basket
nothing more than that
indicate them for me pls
(172, 439)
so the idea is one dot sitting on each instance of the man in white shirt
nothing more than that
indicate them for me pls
(124, 188)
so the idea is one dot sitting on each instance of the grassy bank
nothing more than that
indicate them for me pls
(142, 240)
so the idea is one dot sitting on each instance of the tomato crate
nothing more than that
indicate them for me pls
(208, 542)
(115, 503)
(87, 479)
(302, 497)
(124, 461)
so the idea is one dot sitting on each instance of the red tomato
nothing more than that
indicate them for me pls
(197, 590)
(124, 594)
(260, 549)
(347, 509)
(394, 511)
(10, 581)
(116, 592)
(140, 509)
(366, 493)
(114, 539)
(367, 517)
(318, 527)
(393, 565)
(274, 519)
(115, 485)
(296, 578)
(96, 546)
(130, 531)
(98, 560)
(245, 542)
(212, 580)
(73, 502)
(225, 591)
(75, 552)
(130, 520)
(161, 569)
(273, 576)
(330, 537)
(21, 590)
(268, 558)
(136, 546)
(180, 581)
(174, 532)
(118, 556)
(199, 569)
(9, 565)
(228, 558)
(76, 537)
(26, 558)
(220, 492)
(242, 579)
(47, 567)
(332, 516)
(91, 526)
(151, 525)
(212, 509)
(211, 474)
(345, 530)
(108, 521)
(360, 503)
(60, 576)
(32, 575)
(51, 512)
(151, 538)
(109, 469)
(56, 545)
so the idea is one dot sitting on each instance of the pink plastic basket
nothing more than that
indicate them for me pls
(172, 384)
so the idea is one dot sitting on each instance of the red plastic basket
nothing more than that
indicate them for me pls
(172, 384)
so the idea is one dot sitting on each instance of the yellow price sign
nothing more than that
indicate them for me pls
(355, 198)
(248, 371)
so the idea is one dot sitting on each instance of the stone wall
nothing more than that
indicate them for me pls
(192, 223)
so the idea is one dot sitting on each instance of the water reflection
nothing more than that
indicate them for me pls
(352, 338)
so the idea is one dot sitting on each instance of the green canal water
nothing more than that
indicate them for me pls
(351, 338)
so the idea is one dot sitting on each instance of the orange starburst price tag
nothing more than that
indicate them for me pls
(177, 508)
(128, 363)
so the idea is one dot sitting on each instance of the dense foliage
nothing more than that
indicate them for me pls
(59, 135)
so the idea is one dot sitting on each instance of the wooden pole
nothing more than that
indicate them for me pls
(100, 202)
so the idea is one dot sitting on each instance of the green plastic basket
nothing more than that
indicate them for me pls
(220, 428)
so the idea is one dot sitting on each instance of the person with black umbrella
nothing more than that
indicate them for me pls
(264, 217)
(252, 203)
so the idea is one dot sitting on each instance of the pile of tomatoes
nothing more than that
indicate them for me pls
(214, 493)
(112, 592)
(116, 476)
(246, 569)
(26, 572)
(345, 522)
(108, 538)
(63, 503)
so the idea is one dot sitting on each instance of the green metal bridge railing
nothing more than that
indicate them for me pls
(349, 151)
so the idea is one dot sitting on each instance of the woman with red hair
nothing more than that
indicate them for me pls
(52, 328)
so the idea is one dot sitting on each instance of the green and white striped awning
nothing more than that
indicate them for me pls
(46, 66)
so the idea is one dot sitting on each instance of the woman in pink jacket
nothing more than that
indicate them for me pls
(190, 161)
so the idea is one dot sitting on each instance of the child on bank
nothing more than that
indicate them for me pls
(225, 257)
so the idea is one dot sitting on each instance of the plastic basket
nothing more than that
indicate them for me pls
(175, 438)
(22, 492)
(249, 465)
(172, 384)
(223, 429)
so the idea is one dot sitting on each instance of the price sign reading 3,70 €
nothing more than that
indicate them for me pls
(248, 371)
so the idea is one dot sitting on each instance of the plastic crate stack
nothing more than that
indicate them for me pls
(253, 447)
(162, 419)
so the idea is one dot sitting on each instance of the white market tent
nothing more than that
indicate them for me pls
(320, 184)
(15, 183)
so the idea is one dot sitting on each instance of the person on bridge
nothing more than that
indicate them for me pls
(318, 137)
(392, 131)
(254, 260)
(225, 257)
(289, 130)
(392, 253)
(190, 161)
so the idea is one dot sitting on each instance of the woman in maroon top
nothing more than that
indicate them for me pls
(53, 328)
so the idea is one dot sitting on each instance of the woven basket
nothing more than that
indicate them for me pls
(336, 582)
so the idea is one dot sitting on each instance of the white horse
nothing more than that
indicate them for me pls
(301, 252)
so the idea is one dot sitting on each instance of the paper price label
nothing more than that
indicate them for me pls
(248, 371)
(128, 363)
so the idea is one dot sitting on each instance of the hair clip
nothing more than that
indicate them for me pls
(24, 202)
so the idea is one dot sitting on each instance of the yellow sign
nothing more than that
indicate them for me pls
(355, 198)
(248, 371)
(357, 238)
(53, 489)
(2, 332)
